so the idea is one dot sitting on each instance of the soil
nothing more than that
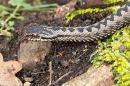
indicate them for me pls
(66, 57)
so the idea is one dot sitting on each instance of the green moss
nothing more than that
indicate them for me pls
(116, 50)
(112, 1)
(69, 16)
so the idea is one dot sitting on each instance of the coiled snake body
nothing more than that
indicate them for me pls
(88, 33)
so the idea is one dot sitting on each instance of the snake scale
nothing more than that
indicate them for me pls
(88, 33)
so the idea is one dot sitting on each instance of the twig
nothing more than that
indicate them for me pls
(83, 53)
(51, 72)
(63, 76)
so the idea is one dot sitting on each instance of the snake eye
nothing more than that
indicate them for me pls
(35, 35)
(32, 35)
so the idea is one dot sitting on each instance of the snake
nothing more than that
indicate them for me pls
(92, 32)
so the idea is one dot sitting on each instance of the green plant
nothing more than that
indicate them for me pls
(38, 1)
(69, 16)
(107, 2)
(7, 14)
(116, 51)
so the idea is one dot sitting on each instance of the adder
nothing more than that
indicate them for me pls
(88, 33)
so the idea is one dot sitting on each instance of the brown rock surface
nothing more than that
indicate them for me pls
(31, 52)
(94, 2)
(62, 10)
(93, 77)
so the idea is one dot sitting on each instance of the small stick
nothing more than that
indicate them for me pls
(51, 72)
(63, 76)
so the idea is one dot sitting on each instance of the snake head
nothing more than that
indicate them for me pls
(43, 32)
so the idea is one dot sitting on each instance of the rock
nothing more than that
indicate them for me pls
(62, 10)
(27, 84)
(74, 53)
(94, 3)
(7, 73)
(93, 77)
(31, 52)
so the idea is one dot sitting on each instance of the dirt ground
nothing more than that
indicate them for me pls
(66, 57)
